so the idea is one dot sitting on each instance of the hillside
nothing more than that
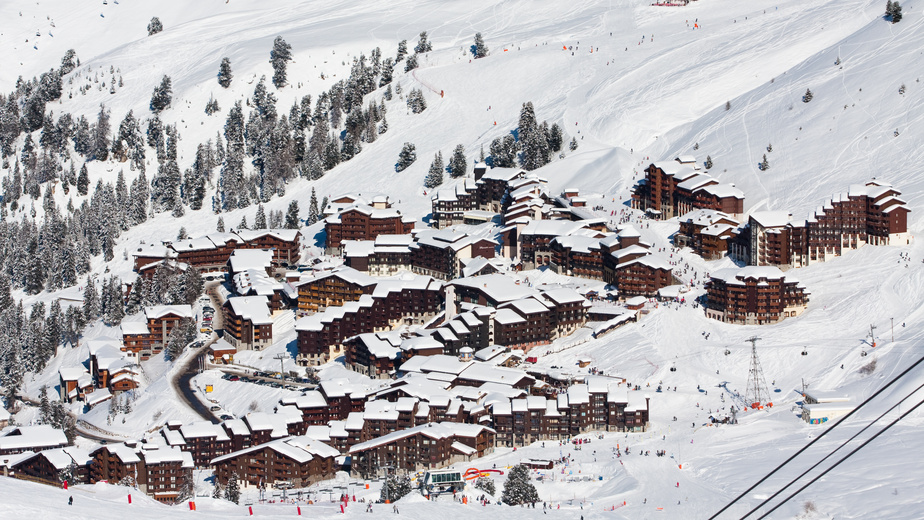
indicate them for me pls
(641, 84)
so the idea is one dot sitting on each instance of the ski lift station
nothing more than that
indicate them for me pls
(821, 406)
(442, 481)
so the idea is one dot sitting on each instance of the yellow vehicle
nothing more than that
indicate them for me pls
(205, 330)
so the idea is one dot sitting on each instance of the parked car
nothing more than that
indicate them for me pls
(226, 417)
(205, 330)
(214, 408)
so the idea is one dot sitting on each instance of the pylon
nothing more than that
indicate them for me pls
(757, 389)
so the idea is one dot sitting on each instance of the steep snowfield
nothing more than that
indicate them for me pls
(653, 89)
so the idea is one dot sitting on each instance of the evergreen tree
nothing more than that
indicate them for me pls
(485, 484)
(458, 164)
(573, 145)
(218, 491)
(479, 49)
(279, 57)
(259, 221)
(224, 73)
(388, 71)
(69, 62)
(764, 165)
(423, 45)
(313, 211)
(503, 152)
(518, 489)
(415, 101)
(163, 95)
(555, 138)
(100, 134)
(292, 220)
(243, 224)
(402, 51)
(893, 11)
(35, 276)
(6, 298)
(220, 226)
(232, 491)
(395, 487)
(83, 180)
(708, 163)
(407, 157)
(435, 175)
(411, 63)
(155, 26)
(211, 107)
(91, 305)
(808, 96)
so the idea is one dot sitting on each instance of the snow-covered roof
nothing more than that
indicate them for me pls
(723, 191)
(201, 429)
(40, 436)
(159, 311)
(498, 287)
(244, 259)
(285, 235)
(299, 449)
(253, 308)
(432, 430)
(771, 219)
(134, 327)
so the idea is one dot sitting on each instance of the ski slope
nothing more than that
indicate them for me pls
(655, 86)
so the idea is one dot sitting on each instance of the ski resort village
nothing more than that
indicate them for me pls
(620, 259)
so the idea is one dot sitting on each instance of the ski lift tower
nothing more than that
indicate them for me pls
(756, 392)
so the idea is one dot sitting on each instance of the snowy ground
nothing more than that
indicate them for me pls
(657, 87)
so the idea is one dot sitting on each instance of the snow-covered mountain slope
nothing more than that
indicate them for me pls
(655, 86)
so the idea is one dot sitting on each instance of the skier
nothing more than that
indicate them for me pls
(70, 501)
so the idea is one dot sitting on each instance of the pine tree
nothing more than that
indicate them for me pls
(435, 175)
(211, 107)
(503, 152)
(243, 224)
(555, 138)
(518, 489)
(217, 491)
(224, 73)
(69, 62)
(407, 157)
(458, 164)
(402, 51)
(708, 163)
(410, 64)
(232, 491)
(163, 95)
(423, 45)
(573, 145)
(83, 181)
(279, 57)
(313, 211)
(91, 306)
(155, 26)
(100, 134)
(479, 49)
(395, 487)
(764, 165)
(259, 221)
(416, 101)
(292, 220)
(485, 484)
(807, 96)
